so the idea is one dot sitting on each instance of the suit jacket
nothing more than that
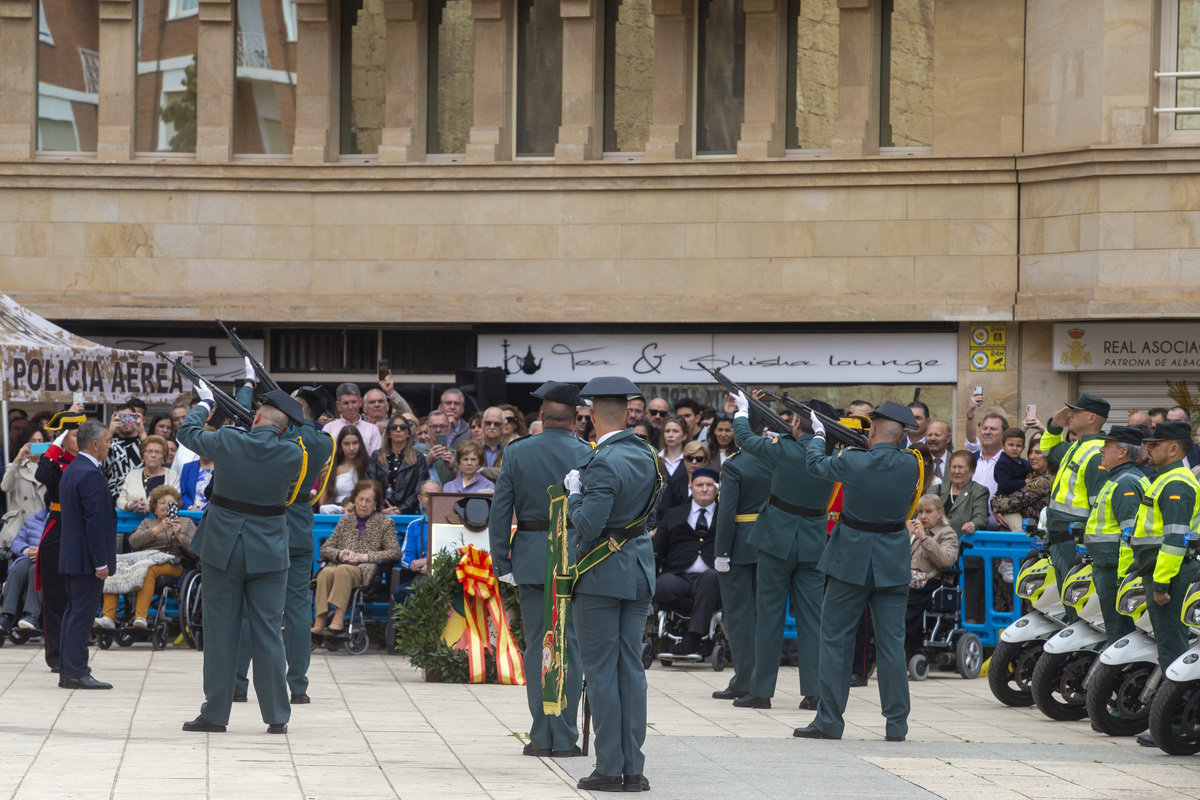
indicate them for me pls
(89, 520)
(675, 490)
(257, 467)
(618, 481)
(970, 506)
(676, 543)
(532, 464)
(745, 481)
(877, 488)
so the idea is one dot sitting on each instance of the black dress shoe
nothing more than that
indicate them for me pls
(86, 682)
(201, 725)
(240, 697)
(895, 738)
(857, 680)
(687, 647)
(277, 727)
(809, 703)
(536, 752)
(574, 752)
(55, 670)
(812, 732)
(750, 701)
(601, 783)
(300, 699)
(728, 693)
(1146, 740)
(635, 783)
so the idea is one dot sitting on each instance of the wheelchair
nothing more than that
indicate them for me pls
(945, 642)
(174, 608)
(20, 635)
(667, 624)
(370, 606)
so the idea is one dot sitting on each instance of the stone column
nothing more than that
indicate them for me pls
(316, 84)
(406, 109)
(673, 113)
(581, 135)
(856, 132)
(215, 73)
(118, 53)
(18, 80)
(763, 132)
(491, 133)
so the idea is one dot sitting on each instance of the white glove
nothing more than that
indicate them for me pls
(817, 426)
(251, 375)
(743, 405)
(205, 394)
(571, 482)
(721, 565)
(61, 438)
(507, 578)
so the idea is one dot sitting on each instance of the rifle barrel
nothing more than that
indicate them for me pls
(264, 378)
(760, 408)
(229, 405)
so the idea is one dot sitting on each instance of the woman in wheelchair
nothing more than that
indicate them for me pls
(360, 542)
(158, 545)
(933, 545)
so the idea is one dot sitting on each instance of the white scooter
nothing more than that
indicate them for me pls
(1175, 712)
(1058, 678)
(1123, 683)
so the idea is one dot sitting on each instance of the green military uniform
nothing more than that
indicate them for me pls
(1072, 495)
(531, 465)
(242, 541)
(1169, 511)
(611, 600)
(745, 481)
(790, 535)
(1116, 507)
(867, 561)
(297, 607)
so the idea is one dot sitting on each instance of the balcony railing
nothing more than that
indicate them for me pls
(252, 50)
(91, 70)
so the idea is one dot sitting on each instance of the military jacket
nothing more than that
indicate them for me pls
(745, 482)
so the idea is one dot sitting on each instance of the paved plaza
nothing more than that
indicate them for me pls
(375, 729)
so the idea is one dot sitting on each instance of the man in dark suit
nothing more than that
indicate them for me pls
(88, 551)
(684, 552)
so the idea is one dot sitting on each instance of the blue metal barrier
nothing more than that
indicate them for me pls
(993, 546)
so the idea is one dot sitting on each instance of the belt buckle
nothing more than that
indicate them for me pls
(613, 547)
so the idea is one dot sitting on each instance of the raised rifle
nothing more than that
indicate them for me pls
(776, 422)
(265, 382)
(836, 431)
(234, 410)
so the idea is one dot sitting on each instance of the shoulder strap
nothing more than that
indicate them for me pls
(920, 483)
(303, 472)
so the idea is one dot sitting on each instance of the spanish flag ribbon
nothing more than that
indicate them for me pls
(481, 599)
(557, 599)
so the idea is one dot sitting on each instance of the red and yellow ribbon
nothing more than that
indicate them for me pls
(481, 599)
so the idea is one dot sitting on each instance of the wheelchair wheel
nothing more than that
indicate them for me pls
(1175, 717)
(1113, 698)
(1057, 684)
(968, 656)
(1011, 671)
(647, 653)
(918, 667)
(18, 636)
(358, 642)
(104, 640)
(720, 653)
(161, 637)
(124, 639)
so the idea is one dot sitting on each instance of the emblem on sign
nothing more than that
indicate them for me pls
(1076, 353)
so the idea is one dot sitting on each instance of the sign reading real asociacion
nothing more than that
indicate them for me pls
(747, 357)
(1126, 347)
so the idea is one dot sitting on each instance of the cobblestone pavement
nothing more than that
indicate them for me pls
(375, 729)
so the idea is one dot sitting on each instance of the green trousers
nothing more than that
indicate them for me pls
(297, 626)
(610, 633)
(1062, 558)
(840, 615)
(1106, 581)
(228, 593)
(1170, 634)
(548, 732)
(777, 579)
(738, 591)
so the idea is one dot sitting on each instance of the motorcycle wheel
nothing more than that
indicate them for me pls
(1011, 670)
(1175, 717)
(1057, 685)
(1112, 698)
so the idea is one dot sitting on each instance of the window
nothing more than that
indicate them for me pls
(68, 77)
(264, 114)
(182, 8)
(56, 125)
(720, 76)
(363, 77)
(165, 120)
(539, 77)
(1179, 75)
(906, 82)
(289, 20)
(90, 60)
(812, 74)
(451, 77)
(628, 75)
(43, 27)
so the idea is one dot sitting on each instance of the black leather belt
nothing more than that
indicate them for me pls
(800, 511)
(533, 525)
(621, 534)
(247, 508)
(871, 527)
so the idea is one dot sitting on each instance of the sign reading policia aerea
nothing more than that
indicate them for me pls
(1126, 346)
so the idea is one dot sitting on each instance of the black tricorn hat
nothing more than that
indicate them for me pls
(610, 386)
(821, 407)
(65, 421)
(892, 410)
(1123, 434)
(317, 397)
(558, 392)
(474, 512)
(285, 403)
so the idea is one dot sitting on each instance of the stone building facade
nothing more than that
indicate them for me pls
(897, 166)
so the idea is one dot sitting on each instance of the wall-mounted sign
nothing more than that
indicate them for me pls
(987, 334)
(745, 357)
(1126, 346)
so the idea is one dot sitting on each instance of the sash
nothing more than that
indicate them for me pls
(481, 599)
(560, 581)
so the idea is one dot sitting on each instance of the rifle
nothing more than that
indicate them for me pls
(265, 381)
(587, 718)
(234, 410)
(834, 428)
(777, 422)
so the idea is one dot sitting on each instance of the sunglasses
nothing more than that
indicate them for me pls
(695, 459)
(492, 424)
(582, 417)
(399, 427)
(654, 412)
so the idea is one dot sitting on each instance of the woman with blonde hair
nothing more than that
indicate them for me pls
(678, 488)
(141, 482)
(397, 467)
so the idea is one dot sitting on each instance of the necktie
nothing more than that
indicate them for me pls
(701, 522)
(937, 468)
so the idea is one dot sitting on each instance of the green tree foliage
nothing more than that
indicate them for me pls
(182, 113)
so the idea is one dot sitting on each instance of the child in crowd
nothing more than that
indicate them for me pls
(1011, 473)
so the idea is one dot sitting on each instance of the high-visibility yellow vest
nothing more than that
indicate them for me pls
(1149, 529)
(1102, 525)
(1068, 494)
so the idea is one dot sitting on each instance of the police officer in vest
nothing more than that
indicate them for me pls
(531, 465)
(790, 535)
(609, 497)
(242, 541)
(868, 562)
(1079, 477)
(745, 483)
(1116, 507)
(1169, 511)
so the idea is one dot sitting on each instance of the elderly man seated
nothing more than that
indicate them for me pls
(683, 556)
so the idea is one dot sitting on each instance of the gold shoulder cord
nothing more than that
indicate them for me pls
(303, 472)
(920, 483)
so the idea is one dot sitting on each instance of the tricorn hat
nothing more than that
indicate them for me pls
(285, 403)
(317, 397)
(610, 386)
(821, 407)
(473, 511)
(65, 421)
(896, 413)
(558, 392)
